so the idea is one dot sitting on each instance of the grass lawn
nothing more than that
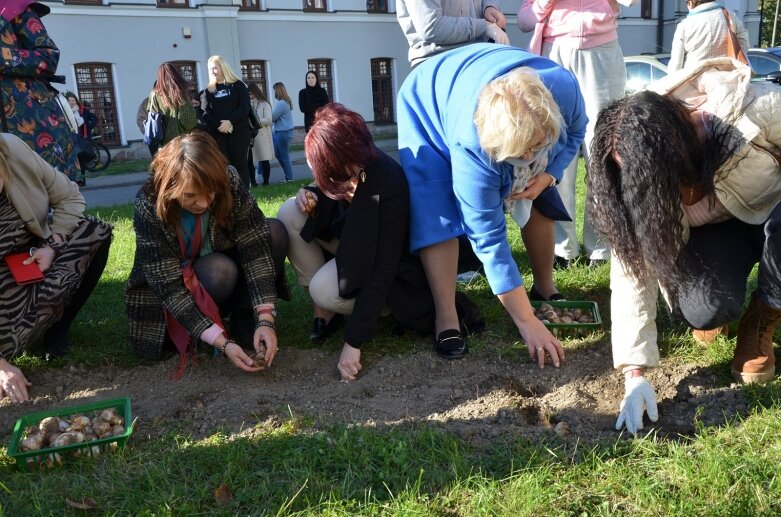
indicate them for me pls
(298, 469)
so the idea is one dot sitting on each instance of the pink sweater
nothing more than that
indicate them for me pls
(583, 23)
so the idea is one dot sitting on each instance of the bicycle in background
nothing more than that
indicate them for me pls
(97, 154)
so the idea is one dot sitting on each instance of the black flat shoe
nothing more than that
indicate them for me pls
(322, 330)
(562, 263)
(535, 296)
(450, 345)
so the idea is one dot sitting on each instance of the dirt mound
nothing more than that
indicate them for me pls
(479, 398)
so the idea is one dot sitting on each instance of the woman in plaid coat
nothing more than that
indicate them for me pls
(204, 251)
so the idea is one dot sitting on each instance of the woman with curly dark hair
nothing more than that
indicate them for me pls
(685, 183)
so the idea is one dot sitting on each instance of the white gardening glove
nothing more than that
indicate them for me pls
(639, 397)
(497, 34)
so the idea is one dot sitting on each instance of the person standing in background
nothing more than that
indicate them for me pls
(263, 146)
(311, 98)
(434, 26)
(282, 115)
(581, 36)
(225, 104)
(703, 34)
(85, 122)
(28, 105)
(169, 97)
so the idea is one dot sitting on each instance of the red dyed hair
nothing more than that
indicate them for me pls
(338, 140)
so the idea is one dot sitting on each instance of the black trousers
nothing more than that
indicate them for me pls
(727, 253)
(235, 147)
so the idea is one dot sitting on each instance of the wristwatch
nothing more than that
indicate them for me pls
(267, 310)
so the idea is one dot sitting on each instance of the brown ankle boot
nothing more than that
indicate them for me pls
(706, 337)
(754, 359)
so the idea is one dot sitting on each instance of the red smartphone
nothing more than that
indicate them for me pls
(23, 273)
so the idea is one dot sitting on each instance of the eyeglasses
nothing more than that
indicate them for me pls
(535, 150)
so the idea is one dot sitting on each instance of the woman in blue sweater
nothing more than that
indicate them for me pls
(282, 116)
(485, 129)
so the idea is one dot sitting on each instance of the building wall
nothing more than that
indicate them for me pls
(136, 36)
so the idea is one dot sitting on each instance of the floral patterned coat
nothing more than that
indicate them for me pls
(27, 58)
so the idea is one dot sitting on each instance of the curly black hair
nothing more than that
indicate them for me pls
(645, 149)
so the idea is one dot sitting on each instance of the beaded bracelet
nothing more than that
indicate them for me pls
(266, 323)
(224, 345)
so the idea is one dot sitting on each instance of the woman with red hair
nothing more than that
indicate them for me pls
(357, 211)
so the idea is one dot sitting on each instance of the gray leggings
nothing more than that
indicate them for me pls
(729, 250)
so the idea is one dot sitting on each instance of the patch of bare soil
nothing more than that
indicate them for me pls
(480, 398)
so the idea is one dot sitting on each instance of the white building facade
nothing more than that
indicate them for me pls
(110, 50)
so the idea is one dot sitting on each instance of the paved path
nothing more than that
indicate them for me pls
(119, 189)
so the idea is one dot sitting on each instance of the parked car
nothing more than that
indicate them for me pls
(644, 69)
(765, 60)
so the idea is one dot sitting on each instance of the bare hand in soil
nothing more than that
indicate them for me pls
(258, 357)
(240, 359)
(540, 341)
(349, 363)
(266, 340)
(13, 383)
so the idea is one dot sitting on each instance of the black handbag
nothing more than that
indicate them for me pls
(254, 124)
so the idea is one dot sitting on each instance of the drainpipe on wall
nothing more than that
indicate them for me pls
(761, 20)
(660, 28)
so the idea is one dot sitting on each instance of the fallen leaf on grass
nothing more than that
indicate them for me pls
(223, 495)
(85, 503)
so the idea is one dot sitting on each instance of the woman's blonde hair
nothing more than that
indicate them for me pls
(280, 93)
(192, 160)
(512, 111)
(227, 72)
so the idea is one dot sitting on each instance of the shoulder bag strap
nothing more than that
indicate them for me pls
(734, 50)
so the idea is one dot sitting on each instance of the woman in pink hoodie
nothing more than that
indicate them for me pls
(581, 36)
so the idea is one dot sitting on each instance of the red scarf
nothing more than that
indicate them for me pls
(176, 331)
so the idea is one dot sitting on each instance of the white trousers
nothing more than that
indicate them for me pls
(601, 73)
(308, 261)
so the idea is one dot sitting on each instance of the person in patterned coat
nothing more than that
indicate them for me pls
(71, 250)
(195, 221)
(28, 105)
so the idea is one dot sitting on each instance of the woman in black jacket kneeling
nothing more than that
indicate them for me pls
(358, 212)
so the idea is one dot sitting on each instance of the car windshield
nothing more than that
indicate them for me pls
(637, 76)
(763, 65)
